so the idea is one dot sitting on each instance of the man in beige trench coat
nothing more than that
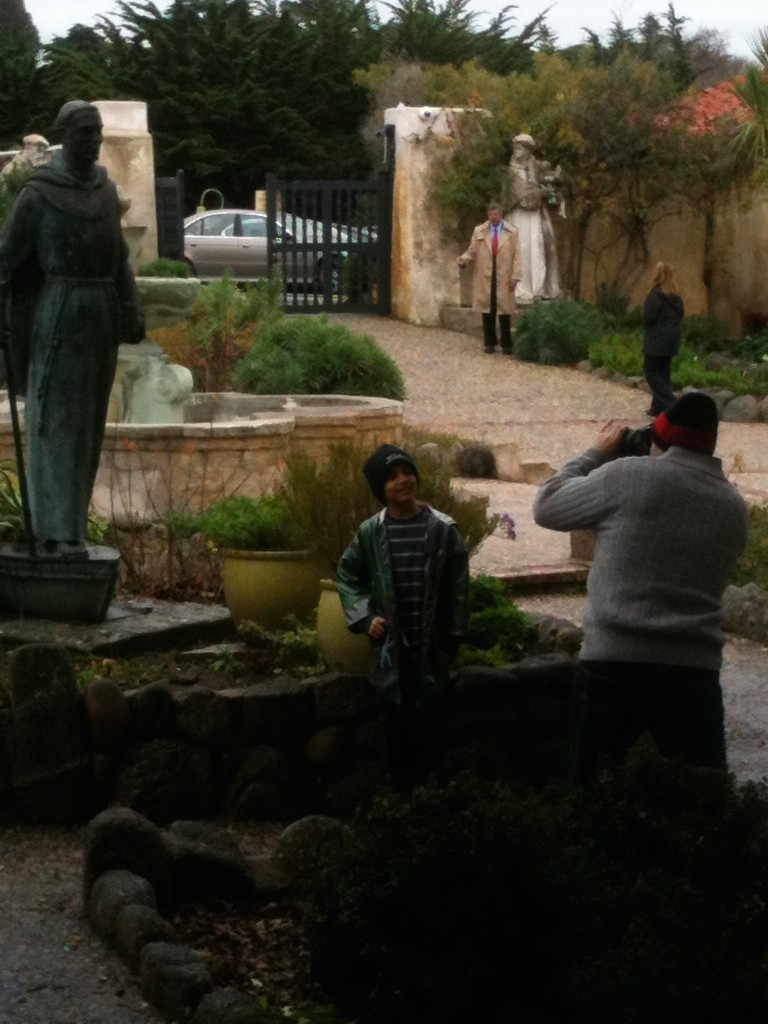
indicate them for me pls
(495, 252)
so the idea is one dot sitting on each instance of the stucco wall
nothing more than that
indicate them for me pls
(739, 271)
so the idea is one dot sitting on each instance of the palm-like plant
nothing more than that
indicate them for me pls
(751, 141)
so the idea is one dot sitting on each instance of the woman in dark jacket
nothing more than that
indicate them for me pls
(662, 317)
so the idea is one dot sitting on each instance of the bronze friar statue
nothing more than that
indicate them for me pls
(69, 299)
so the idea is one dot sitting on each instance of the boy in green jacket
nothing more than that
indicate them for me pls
(404, 580)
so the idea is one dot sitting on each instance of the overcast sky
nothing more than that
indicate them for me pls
(737, 24)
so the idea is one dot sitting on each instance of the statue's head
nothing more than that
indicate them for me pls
(80, 126)
(523, 146)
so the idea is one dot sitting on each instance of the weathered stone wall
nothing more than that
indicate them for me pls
(425, 277)
(739, 282)
(271, 751)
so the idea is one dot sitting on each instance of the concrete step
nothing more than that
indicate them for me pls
(131, 627)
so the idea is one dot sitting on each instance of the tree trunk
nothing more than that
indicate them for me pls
(709, 253)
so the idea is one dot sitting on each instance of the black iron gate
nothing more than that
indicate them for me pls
(331, 243)
(169, 204)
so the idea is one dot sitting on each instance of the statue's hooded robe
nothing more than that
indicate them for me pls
(72, 300)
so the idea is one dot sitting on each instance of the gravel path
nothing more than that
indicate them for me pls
(53, 969)
(551, 412)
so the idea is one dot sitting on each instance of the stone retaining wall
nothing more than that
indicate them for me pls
(274, 750)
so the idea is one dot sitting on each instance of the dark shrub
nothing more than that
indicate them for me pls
(755, 348)
(642, 900)
(499, 631)
(311, 355)
(704, 334)
(556, 332)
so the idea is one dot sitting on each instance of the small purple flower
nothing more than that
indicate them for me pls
(508, 524)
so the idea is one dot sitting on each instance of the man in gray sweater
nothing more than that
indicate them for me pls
(668, 531)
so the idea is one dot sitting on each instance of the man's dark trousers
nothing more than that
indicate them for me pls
(614, 702)
(489, 322)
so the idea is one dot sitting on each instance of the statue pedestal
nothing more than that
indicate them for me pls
(64, 588)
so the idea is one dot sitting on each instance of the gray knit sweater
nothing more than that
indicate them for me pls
(668, 533)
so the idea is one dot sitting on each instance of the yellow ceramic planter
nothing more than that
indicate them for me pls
(342, 650)
(268, 587)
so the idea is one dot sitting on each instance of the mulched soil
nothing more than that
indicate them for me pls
(261, 952)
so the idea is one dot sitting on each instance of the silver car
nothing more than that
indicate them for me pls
(216, 241)
(226, 240)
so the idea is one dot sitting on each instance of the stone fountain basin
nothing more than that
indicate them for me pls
(229, 443)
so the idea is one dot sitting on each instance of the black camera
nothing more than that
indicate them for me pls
(636, 441)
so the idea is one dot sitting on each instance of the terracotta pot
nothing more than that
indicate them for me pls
(342, 650)
(268, 587)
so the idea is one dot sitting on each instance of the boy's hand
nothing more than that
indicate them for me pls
(377, 628)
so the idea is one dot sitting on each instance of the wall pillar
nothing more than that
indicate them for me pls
(425, 277)
(128, 155)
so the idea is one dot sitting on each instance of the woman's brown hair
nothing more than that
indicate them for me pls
(665, 279)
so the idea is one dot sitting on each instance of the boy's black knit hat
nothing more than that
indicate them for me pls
(377, 468)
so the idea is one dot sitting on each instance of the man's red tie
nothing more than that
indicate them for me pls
(495, 242)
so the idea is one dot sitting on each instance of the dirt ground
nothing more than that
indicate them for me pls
(53, 969)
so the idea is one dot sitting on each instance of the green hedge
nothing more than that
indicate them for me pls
(557, 332)
(312, 355)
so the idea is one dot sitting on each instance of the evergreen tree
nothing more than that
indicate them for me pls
(19, 44)
(15, 18)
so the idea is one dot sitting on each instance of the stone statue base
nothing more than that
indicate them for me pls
(62, 587)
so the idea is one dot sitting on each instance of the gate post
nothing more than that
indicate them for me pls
(424, 273)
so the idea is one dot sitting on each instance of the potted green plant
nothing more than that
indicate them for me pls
(268, 576)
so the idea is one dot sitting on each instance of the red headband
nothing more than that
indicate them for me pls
(669, 433)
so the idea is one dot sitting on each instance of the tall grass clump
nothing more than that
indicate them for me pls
(310, 355)
(752, 567)
(223, 326)
(328, 502)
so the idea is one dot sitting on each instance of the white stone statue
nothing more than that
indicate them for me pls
(34, 152)
(531, 197)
